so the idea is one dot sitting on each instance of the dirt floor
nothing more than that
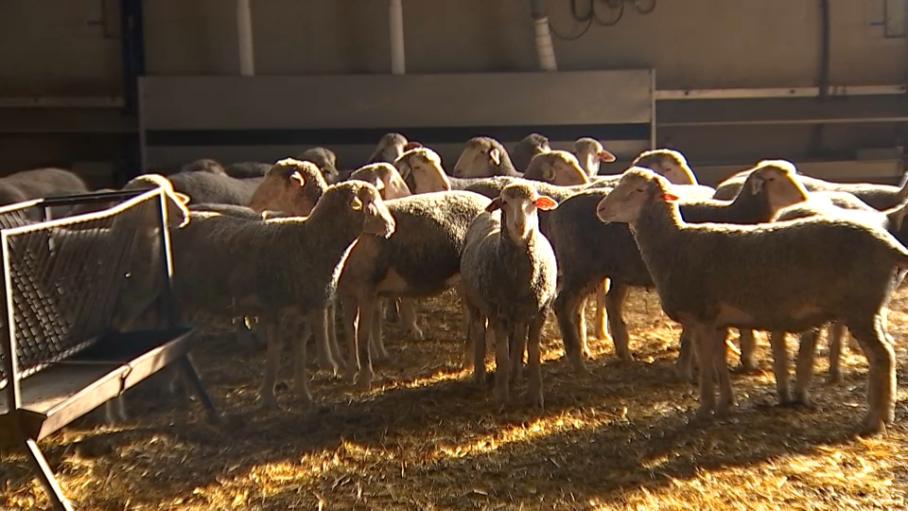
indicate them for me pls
(616, 437)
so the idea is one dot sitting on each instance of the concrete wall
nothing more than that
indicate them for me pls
(694, 43)
(70, 46)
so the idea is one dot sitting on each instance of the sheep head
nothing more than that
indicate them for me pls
(669, 163)
(519, 204)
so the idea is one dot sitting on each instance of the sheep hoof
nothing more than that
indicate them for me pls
(534, 398)
(364, 381)
(745, 369)
(802, 400)
(872, 425)
(834, 378)
(268, 403)
(703, 415)
(479, 380)
(601, 334)
(502, 395)
(417, 334)
(723, 411)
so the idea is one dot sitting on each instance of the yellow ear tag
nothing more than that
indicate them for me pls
(356, 204)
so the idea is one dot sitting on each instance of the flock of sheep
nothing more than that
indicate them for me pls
(295, 243)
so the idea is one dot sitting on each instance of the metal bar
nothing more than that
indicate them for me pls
(192, 374)
(10, 362)
(169, 304)
(780, 92)
(62, 222)
(62, 102)
(244, 37)
(784, 122)
(54, 492)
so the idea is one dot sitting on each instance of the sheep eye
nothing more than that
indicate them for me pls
(356, 204)
(640, 190)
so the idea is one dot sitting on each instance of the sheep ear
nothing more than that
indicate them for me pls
(182, 198)
(296, 176)
(546, 203)
(669, 197)
(411, 145)
(897, 218)
(495, 204)
(495, 155)
(356, 204)
(379, 184)
(756, 185)
(606, 156)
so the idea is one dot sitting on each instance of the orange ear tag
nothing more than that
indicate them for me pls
(669, 197)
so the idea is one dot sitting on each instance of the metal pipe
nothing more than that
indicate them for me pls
(545, 51)
(244, 37)
(396, 28)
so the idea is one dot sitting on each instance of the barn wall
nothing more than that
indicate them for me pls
(71, 48)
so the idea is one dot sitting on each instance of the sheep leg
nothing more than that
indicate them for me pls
(368, 310)
(804, 369)
(835, 333)
(502, 360)
(318, 323)
(351, 328)
(720, 362)
(377, 338)
(392, 312)
(748, 346)
(704, 338)
(601, 321)
(684, 367)
(408, 318)
(518, 345)
(316, 319)
(567, 311)
(272, 361)
(614, 302)
(780, 365)
(332, 336)
(881, 384)
(534, 364)
(469, 347)
(477, 337)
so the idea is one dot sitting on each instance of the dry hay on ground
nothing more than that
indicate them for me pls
(613, 438)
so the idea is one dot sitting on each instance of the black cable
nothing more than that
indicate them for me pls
(611, 23)
(578, 18)
(651, 8)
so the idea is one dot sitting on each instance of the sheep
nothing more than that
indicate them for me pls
(384, 177)
(422, 170)
(508, 272)
(206, 187)
(204, 165)
(556, 167)
(528, 147)
(785, 276)
(591, 154)
(834, 205)
(291, 186)
(422, 258)
(325, 160)
(389, 148)
(589, 251)
(275, 269)
(247, 169)
(876, 195)
(484, 157)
